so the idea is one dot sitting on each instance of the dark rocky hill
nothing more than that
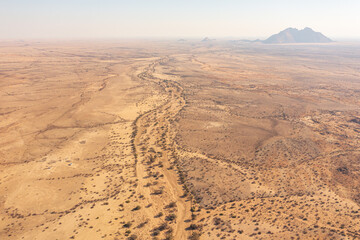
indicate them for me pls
(293, 35)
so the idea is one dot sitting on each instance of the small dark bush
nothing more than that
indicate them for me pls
(136, 208)
(127, 225)
(170, 217)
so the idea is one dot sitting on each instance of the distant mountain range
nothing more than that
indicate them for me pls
(289, 35)
(293, 35)
(206, 39)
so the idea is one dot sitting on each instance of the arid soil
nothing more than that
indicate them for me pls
(179, 140)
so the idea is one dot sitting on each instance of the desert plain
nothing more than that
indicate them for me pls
(179, 140)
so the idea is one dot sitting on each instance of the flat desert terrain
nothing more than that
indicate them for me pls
(179, 140)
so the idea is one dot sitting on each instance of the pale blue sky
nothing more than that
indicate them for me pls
(21, 19)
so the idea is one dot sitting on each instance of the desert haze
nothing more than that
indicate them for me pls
(179, 140)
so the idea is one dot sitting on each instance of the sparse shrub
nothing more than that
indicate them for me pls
(127, 225)
(151, 159)
(158, 192)
(217, 221)
(169, 237)
(170, 230)
(132, 237)
(160, 214)
(156, 231)
(171, 205)
(170, 217)
(194, 236)
(142, 224)
(163, 226)
(193, 227)
(136, 208)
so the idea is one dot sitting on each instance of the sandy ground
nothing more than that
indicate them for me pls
(73, 125)
(174, 140)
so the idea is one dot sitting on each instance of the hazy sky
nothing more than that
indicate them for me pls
(21, 19)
